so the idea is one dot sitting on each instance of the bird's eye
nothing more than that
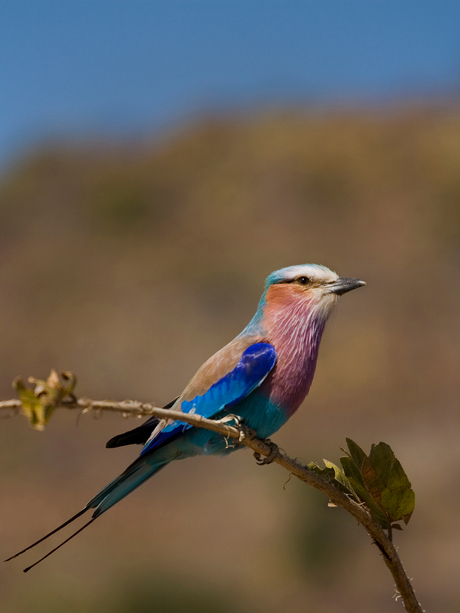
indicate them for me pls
(303, 280)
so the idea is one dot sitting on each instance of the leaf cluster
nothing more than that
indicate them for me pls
(38, 404)
(376, 480)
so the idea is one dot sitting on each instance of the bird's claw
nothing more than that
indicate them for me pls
(237, 421)
(229, 418)
(260, 460)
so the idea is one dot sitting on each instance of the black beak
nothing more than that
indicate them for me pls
(344, 285)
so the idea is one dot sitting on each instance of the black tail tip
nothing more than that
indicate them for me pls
(112, 443)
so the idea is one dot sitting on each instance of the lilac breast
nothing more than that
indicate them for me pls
(296, 336)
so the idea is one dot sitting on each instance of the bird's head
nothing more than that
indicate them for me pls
(311, 288)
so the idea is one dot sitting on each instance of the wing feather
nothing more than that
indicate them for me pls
(253, 366)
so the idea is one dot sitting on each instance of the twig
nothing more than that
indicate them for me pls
(262, 447)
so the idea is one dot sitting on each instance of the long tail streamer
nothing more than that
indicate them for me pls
(66, 523)
(59, 546)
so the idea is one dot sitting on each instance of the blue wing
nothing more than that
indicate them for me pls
(254, 365)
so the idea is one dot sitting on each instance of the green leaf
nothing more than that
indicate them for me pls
(396, 494)
(334, 475)
(341, 478)
(380, 482)
(327, 473)
(353, 473)
(356, 453)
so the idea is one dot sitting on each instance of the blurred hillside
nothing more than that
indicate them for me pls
(131, 263)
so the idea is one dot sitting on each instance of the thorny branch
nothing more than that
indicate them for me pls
(265, 448)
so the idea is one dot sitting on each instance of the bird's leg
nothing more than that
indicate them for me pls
(274, 449)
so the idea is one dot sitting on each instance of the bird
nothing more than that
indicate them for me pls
(262, 377)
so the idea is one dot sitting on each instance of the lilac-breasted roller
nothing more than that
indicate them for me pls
(263, 376)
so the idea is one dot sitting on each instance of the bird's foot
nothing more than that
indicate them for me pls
(274, 449)
(234, 420)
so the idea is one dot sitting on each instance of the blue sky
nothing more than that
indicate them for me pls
(131, 66)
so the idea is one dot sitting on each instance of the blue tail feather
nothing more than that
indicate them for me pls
(138, 472)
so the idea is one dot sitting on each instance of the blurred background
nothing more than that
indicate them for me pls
(157, 161)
